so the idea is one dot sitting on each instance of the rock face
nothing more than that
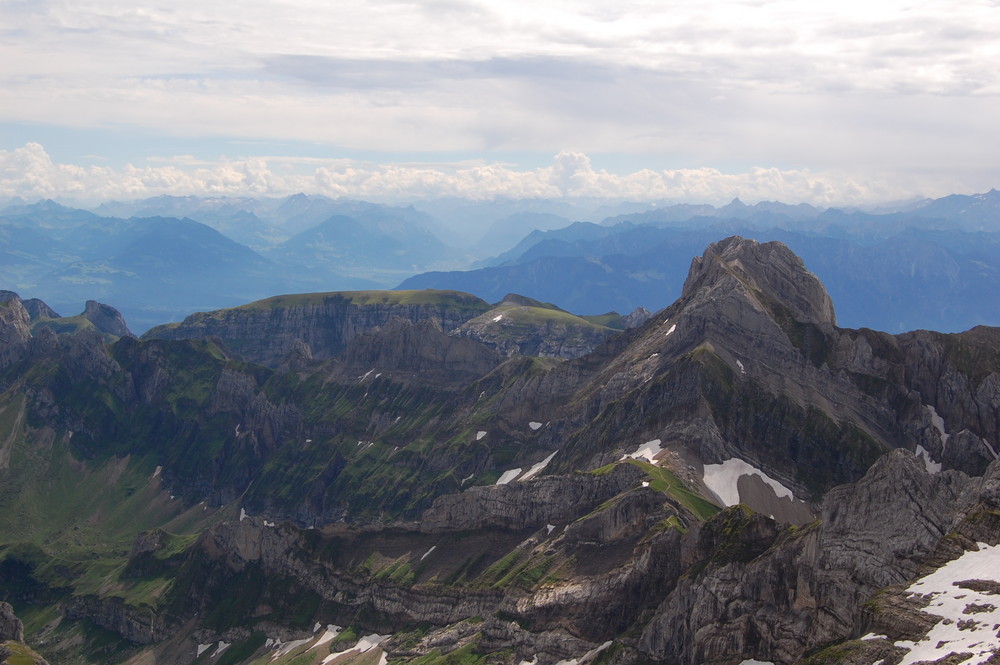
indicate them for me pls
(773, 596)
(420, 349)
(37, 309)
(265, 332)
(394, 474)
(15, 328)
(770, 269)
(11, 627)
(106, 319)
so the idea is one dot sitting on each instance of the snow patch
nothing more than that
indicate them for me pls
(317, 626)
(587, 657)
(874, 636)
(549, 528)
(243, 514)
(269, 524)
(465, 480)
(479, 435)
(929, 464)
(428, 552)
(938, 423)
(538, 467)
(533, 425)
(722, 479)
(743, 370)
(672, 329)
(645, 483)
(497, 318)
(366, 643)
(647, 451)
(961, 629)
(288, 647)
(202, 648)
(756, 662)
(222, 647)
(508, 476)
(328, 636)
(157, 472)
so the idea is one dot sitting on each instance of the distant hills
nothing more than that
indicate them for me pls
(157, 263)
(926, 264)
(934, 265)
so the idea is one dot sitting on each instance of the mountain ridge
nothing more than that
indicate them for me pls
(616, 506)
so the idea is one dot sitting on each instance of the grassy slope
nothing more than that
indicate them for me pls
(72, 524)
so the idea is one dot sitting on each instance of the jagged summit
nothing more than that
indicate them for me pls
(771, 269)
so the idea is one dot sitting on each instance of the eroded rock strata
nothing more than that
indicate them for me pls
(735, 479)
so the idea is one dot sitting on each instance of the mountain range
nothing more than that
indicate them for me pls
(425, 477)
(921, 265)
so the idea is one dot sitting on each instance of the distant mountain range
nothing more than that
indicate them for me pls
(933, 266)
(928, 264)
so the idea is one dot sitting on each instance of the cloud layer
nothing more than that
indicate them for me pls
(30, 173)
(895, 89)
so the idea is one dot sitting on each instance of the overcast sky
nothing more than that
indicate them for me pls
(828, 103)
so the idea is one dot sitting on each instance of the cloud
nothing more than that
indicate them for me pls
(898, 91)
(30, 173)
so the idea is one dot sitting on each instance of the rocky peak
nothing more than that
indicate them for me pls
(106, 319)
(15, 328)
(769, 268)
(636, 318)
(38, 309)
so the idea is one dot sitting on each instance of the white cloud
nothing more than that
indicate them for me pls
(30, 173)
(897, 91)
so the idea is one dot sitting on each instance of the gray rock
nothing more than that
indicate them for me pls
(11, 627)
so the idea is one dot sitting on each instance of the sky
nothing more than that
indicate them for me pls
(704, 100)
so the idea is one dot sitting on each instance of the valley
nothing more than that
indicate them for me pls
(421, 476)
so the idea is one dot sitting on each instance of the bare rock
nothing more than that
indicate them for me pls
(11, 627)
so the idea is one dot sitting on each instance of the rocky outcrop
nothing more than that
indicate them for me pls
(519, 505)
(11, 627)
(39, 310)
(266, 331)
(139, 625)
(106, 319)
(15, 328)
(773, 595)
(636, 318)
(419, 349)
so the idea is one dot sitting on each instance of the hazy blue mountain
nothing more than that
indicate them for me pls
(239, 218)
(154, 269)
(912, 279)
(46, 216)
(975, 212)
(582, 284)
(577, 231)
(468, 222)
(507, 232)
(377, 245)
(26, 253)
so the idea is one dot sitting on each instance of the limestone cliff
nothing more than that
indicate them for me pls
(266, 331)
